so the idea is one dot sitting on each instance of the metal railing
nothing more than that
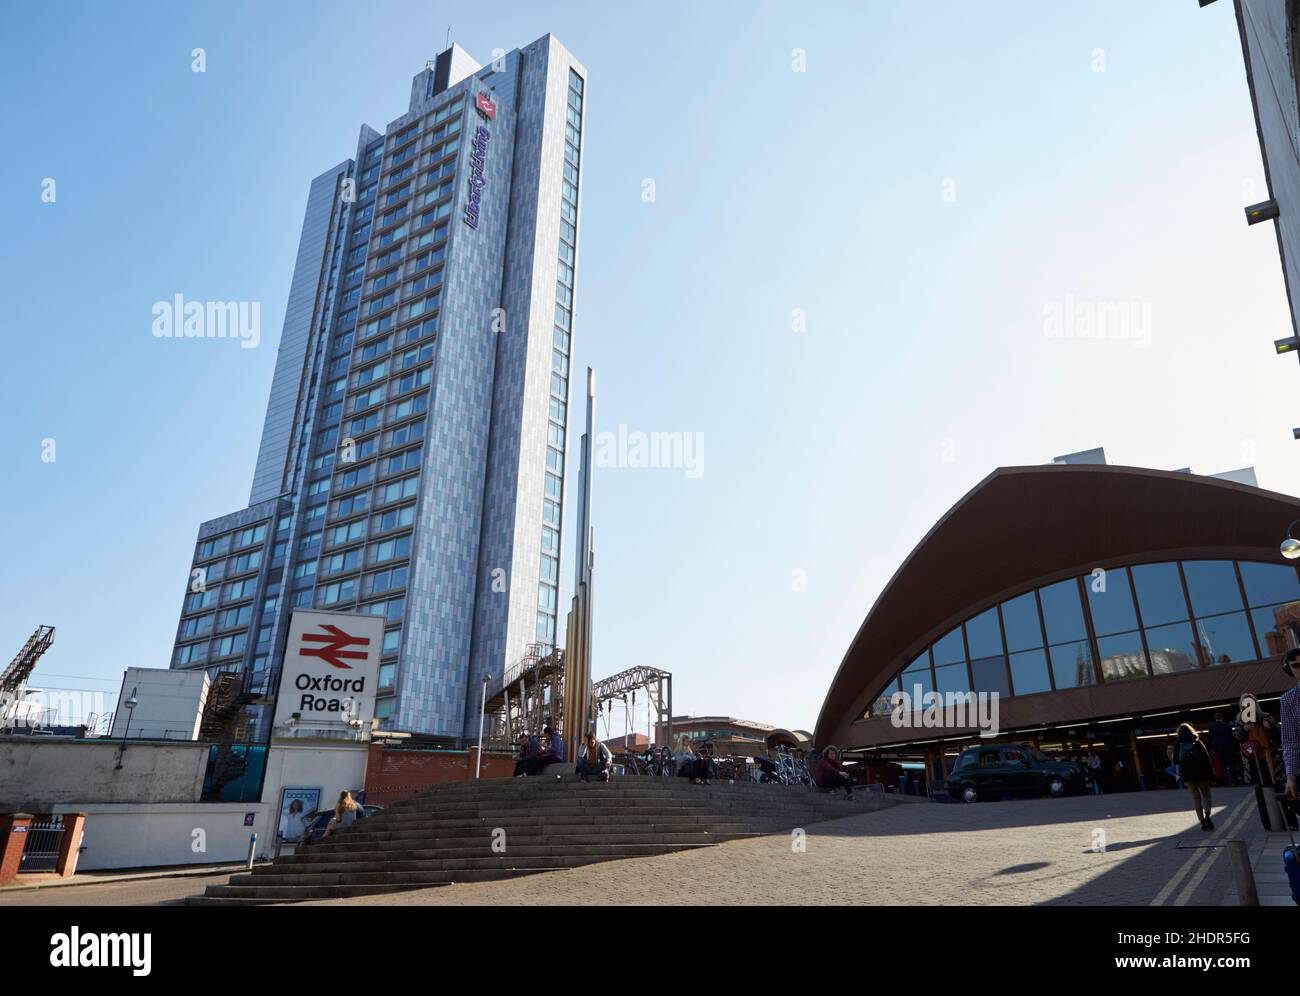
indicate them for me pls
(41, 848)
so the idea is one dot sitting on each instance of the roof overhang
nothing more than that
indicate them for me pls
(1025, 526)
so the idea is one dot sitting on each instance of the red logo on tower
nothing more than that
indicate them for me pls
(485, 105)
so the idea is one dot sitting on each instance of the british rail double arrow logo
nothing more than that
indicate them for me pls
(333, 652)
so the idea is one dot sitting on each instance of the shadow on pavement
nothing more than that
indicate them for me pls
(1150, 861)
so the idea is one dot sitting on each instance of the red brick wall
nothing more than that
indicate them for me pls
(392, 775)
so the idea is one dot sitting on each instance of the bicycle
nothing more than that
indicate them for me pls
(632, 764)
(657, 762)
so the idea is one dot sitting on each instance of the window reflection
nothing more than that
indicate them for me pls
(1160, 593)
(883, 704)
(1278, 627)
(983, 636)
(1212, 585)
(990, 675)
(951, 678)
(1122, 657)
(1020, 621)
(917, 676)
(1062, 612)
(1072, 664)
(1111, 607)
(1220, 632)
(1225, 639)
(1029, 672)
(1268, 584)
(948, 649)
(1172, 649)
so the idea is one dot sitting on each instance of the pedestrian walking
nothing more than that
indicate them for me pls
(1196, 771)
(1094, 767)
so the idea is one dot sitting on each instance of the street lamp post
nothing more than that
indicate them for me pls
(482, 714)
(131, 702)
(1290, 547)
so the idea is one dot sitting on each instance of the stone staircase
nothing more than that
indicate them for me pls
(447, 833)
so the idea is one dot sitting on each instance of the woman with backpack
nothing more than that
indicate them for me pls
(1196, 771)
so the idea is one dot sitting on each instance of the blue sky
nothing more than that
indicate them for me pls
(1099, 153)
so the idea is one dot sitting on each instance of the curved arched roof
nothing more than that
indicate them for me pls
(1025, 525)
(798, 738)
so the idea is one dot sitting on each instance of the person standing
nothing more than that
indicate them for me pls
(1196, 771)
(1257, 734)
(1225, 747)
(1290, 709)
(1094, 768)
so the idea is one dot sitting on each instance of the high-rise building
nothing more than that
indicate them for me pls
(412, 459)
(1270, 32)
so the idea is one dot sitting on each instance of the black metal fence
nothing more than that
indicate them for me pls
(41, 849)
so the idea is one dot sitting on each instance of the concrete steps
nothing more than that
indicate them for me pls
(489, 830)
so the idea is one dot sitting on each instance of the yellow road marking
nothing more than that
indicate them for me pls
(1233, 824)
(1195, 857)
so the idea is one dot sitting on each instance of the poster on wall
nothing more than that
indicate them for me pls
(295, 804)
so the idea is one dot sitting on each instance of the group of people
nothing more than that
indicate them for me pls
(828, 772)
(1225, 744)
(698, 765)
(1197, 765)
(535, 757)
(595, 760)
(295, 824)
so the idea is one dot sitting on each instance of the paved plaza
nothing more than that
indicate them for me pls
(1038, 851)
(999, 853)
(1007, 853)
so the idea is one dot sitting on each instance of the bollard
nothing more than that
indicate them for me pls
(252, 850)
(1247, 894)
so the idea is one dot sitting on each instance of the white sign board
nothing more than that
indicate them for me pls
(331, 667)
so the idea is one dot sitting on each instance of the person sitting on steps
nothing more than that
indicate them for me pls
(830, 774)
(550, 754)
(594, 760)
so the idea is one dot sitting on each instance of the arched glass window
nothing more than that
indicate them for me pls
(1122, 623)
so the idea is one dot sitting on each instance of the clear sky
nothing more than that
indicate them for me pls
(939, 180)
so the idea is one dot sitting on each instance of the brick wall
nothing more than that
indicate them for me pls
(392, 775)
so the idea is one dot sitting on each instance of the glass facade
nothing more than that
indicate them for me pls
(548, 589)
(389, 400)
(1114, 625)
(232, 594)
